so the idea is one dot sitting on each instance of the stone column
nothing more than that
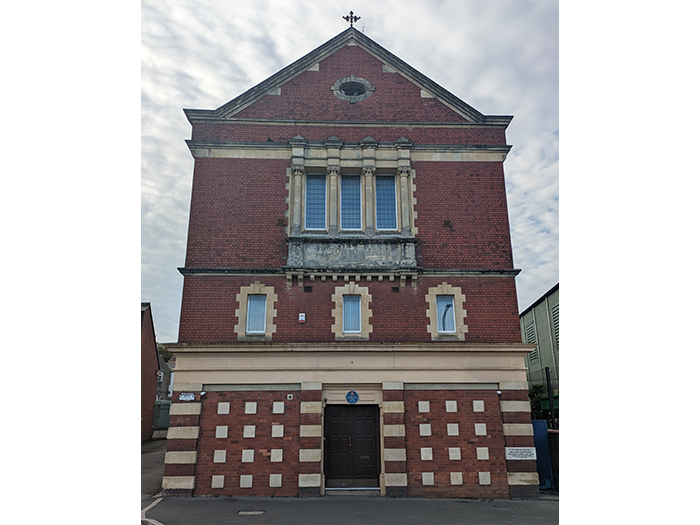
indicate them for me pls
(333, 199)
(404, 180)
(297, 177)
(333, 145)
(298, 145)
(368, 173)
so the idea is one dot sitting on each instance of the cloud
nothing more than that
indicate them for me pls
(499, 57)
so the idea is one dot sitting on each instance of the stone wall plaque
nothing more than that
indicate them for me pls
(514, 453)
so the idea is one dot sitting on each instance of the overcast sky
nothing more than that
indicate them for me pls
(501, 57)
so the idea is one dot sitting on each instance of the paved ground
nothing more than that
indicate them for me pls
(338, 510)
(152, 456)
(349, 510)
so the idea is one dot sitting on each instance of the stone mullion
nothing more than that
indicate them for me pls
(297, 175)
(404, 195)
(368, 185)
(333, 199)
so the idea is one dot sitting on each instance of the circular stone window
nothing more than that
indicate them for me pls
(352, 89)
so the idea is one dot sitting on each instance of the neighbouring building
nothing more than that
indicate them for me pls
(164, 391)
(539, 324)
(149, 371)
(349, 315)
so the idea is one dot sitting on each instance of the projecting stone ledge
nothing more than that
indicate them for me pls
(352, 253)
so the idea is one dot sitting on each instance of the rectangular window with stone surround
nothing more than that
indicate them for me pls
(352, 313)
(256, 312)
(446, 313)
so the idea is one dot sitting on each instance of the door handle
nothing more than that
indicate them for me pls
(350, 442)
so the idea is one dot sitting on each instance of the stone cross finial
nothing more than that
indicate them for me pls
(351, 18)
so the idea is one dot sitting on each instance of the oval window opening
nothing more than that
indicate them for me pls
(352, 89)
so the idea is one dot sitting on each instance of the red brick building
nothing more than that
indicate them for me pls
(149, 371)
(349, 316)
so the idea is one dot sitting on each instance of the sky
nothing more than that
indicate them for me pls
(500, 57)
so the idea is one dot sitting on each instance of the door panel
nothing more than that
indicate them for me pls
(337, 442)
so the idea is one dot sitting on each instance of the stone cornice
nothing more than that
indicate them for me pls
(491, 272)
(199, 115)
(355, 347)
(283, 150)
(198, 144)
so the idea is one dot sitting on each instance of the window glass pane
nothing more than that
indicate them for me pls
(350, 204)
(256, 314)
(316, 202)
(386, 202)
(445, 313)
(351, 313)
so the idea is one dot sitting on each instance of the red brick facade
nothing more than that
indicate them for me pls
(395, 99)
(280, 133)
(261, 463)
(231, 226)
(247, 232)
(149, 371)
(261, 445)
(475, 204)
(466, 442)
(399, 313)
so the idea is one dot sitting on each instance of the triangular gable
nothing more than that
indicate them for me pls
(309, 61)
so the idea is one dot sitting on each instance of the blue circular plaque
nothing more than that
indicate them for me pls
(352, 397)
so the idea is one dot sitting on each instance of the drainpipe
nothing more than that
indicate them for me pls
(551, 398)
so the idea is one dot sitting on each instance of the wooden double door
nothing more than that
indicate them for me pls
(352, 445)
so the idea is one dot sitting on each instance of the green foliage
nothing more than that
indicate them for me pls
(164, 352)
(536, 393)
